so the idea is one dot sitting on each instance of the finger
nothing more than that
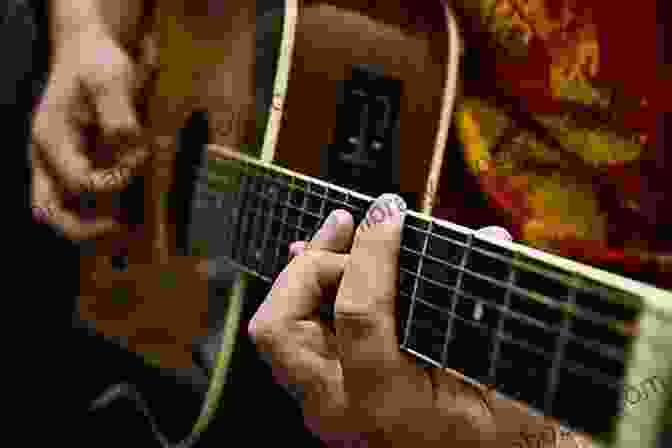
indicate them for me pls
(149, 56)
(121, 132)
(297, 248)
(327, 238)
(48, 208)
(365, 305)
(279, 306)
(295, 295)
(117, 178)
(58, 134)
(61, 143)
(335, 234)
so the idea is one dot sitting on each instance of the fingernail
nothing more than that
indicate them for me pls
(296, 248)
(328, 227)
(387, 208)
(495, 232)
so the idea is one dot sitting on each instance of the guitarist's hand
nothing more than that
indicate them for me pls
(86, 135)
(356, 387)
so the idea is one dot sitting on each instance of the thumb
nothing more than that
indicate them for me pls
(364, 311)
(120, 130)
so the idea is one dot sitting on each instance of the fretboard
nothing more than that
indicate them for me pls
(539, 328)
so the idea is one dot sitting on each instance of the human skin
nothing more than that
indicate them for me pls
(93, 84)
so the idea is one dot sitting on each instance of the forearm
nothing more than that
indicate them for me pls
(120, 19)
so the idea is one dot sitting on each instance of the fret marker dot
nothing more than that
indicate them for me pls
(478, 311)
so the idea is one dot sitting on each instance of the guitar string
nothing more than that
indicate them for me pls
(513, 263)
(603, 294)
(454, 300)
(303, 210)
(548, 301)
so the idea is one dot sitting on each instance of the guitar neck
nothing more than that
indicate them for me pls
(538, 327)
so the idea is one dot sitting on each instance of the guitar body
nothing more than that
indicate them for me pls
(408, 42)
(205, 62)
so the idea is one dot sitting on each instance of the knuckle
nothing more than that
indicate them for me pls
(310, 257)
(374, 240)
(123, 132)
(261, 333)
(110, 81)
(355, 316)
(77, 184)
(39, 130)
(72, 233)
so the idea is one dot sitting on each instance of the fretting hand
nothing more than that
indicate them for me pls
(355, 386)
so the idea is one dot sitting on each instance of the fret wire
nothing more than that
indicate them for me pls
(323, 202)
(251, 197)
(483, 252)
(497, 337)
(520, 264)
(592, 286)
(235, 221)
(243, 218)
(550, 302)
(563, 339)
(449, 330)
(347, 205)
(347, 200)
(279, 240)
(304, 206)
(319, 215)
(230, 220)
(261, 211)
(252, 253)
(504, 310)
(241, 214)
(590, 344)
(289, 205)
(507, 338)
(283, 222)
(226, 218)
(409, 320)
(520, 291)
(457, 243)
(240, 158)
(547, 302)
(325, 198)
(570, 365)
(480, 326)
(269, 225)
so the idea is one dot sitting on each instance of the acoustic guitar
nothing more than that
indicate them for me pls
(536, 327)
